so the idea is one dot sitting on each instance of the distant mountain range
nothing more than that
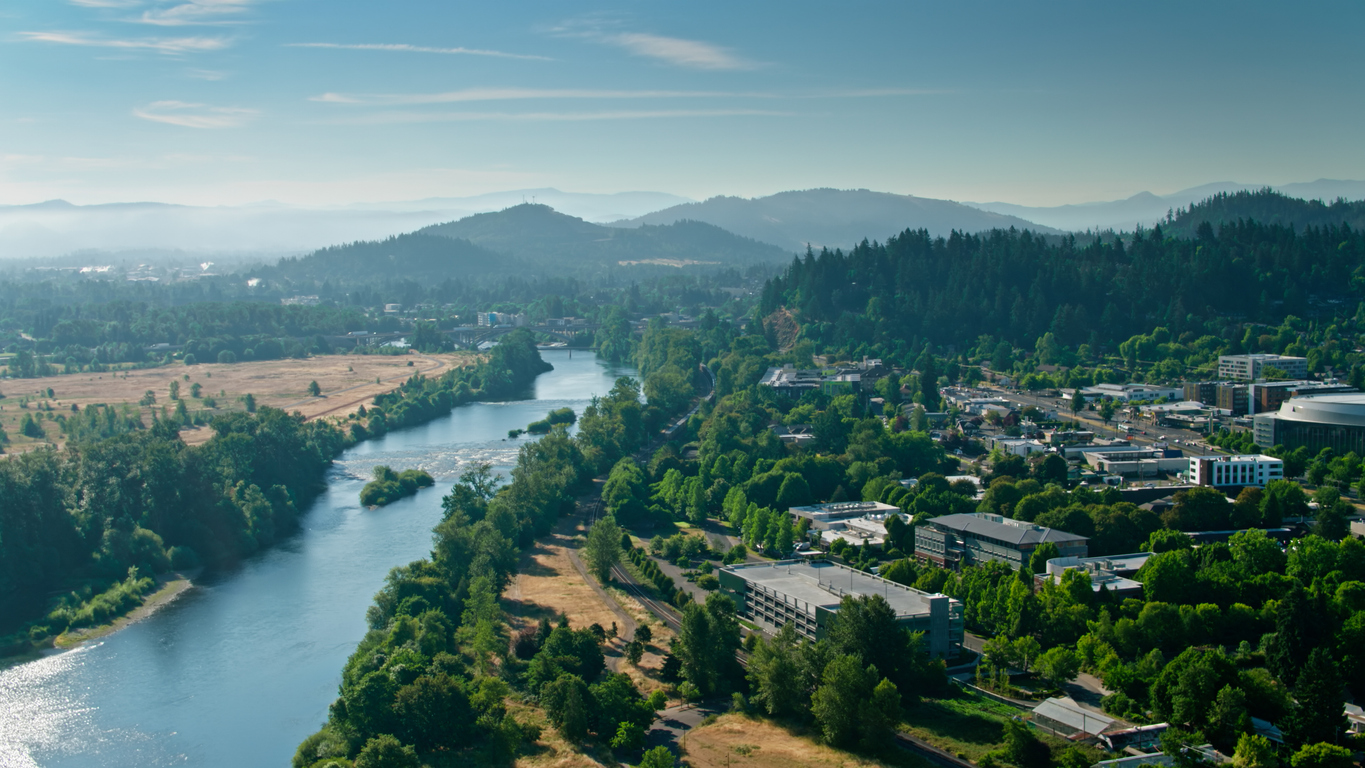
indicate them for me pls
(832, 217)
(269, 230)
(538, 233)
(787, 220)
(528, 240)
(1146, 209)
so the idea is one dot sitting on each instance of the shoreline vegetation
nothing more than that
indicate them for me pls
(389, 486)
(147, 503)
(441, 649)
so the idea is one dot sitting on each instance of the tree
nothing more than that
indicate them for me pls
(567, 703)
(384, 751)
(1254, 751)
(1041, 554)
(603, 549)
(1228, 719)
(775, 673)
(659, 757)
(175, 390)
(1077, 402)
(1058, 665)
(314, 389)
(1318, 715)
(846, 688)
(1107, 408)
(1322, 756)
(1024, 749)
(249, 400)
(707, 642)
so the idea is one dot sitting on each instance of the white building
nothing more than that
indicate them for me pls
(1127, 392)
(1235, 471)
(1252, 367)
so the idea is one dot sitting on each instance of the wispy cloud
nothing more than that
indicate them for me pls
(106, 3)
(382, 118)
(206, 74)
(405, 48)
(167, 45)
(692, 54)
(191, 115)
(513, 94)
(196, 12)
(678, 51)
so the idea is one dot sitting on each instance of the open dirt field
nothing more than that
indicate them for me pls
(549, 585)
(346, 381)
(735, 741)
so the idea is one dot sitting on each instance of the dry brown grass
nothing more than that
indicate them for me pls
(736, 741)
(347, 382)
(550, 750)
(548, 586)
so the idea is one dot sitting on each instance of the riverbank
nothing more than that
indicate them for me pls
(169, 586)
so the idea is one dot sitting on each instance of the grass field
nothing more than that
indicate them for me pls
(965, 724)
(346, 381)
(736, 741)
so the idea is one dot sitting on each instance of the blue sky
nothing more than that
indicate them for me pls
(337, 101)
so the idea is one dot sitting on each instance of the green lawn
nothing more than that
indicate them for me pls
(966, 724)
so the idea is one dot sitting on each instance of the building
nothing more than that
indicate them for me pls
(796, 434)
(1235, 471)
(1142, 462)
(794, 382)
(1126, 392)
(1109, 573)
(1016, 446)
(952, 541)
(497, 319)
(1071, 721)
(806, 594)
(1253, 367)
(1322, 421)
(1269, 396)
(824, 516)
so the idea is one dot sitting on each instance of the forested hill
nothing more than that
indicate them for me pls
(1014, 285)
(833, 217)
(1267, 207)
(542, 236)
(414, 256)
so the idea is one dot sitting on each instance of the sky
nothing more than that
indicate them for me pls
(330, 102)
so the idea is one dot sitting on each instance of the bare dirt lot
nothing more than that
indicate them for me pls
(346, 381)
(549, 585)
(735, 741)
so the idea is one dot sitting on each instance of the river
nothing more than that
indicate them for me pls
(241, 667)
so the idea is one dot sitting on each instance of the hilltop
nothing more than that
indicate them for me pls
(833, 217)
(541, 235)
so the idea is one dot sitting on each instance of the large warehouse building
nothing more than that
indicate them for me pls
(807, 594)
(1317, 422)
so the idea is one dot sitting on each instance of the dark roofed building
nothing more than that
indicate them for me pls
(952, 541)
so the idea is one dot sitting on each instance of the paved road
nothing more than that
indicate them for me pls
(1187, 438)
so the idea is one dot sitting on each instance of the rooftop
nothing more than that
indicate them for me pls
(1067, 712)
(822, 583)
(1002, 528)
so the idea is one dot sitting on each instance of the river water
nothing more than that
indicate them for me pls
(241, 667)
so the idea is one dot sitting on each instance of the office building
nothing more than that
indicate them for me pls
(952, 541)
(1269, 396)
(1321, 421)
(807, 595)
(1253, 367)
(794, 382)
(1235, 471)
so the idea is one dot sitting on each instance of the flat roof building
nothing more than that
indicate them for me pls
(823, 516)
(1317, 422)
(1253, 367)
(794, 382)
(807, 594)
(952, 541)
(1235, 471)
(1126, 392)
